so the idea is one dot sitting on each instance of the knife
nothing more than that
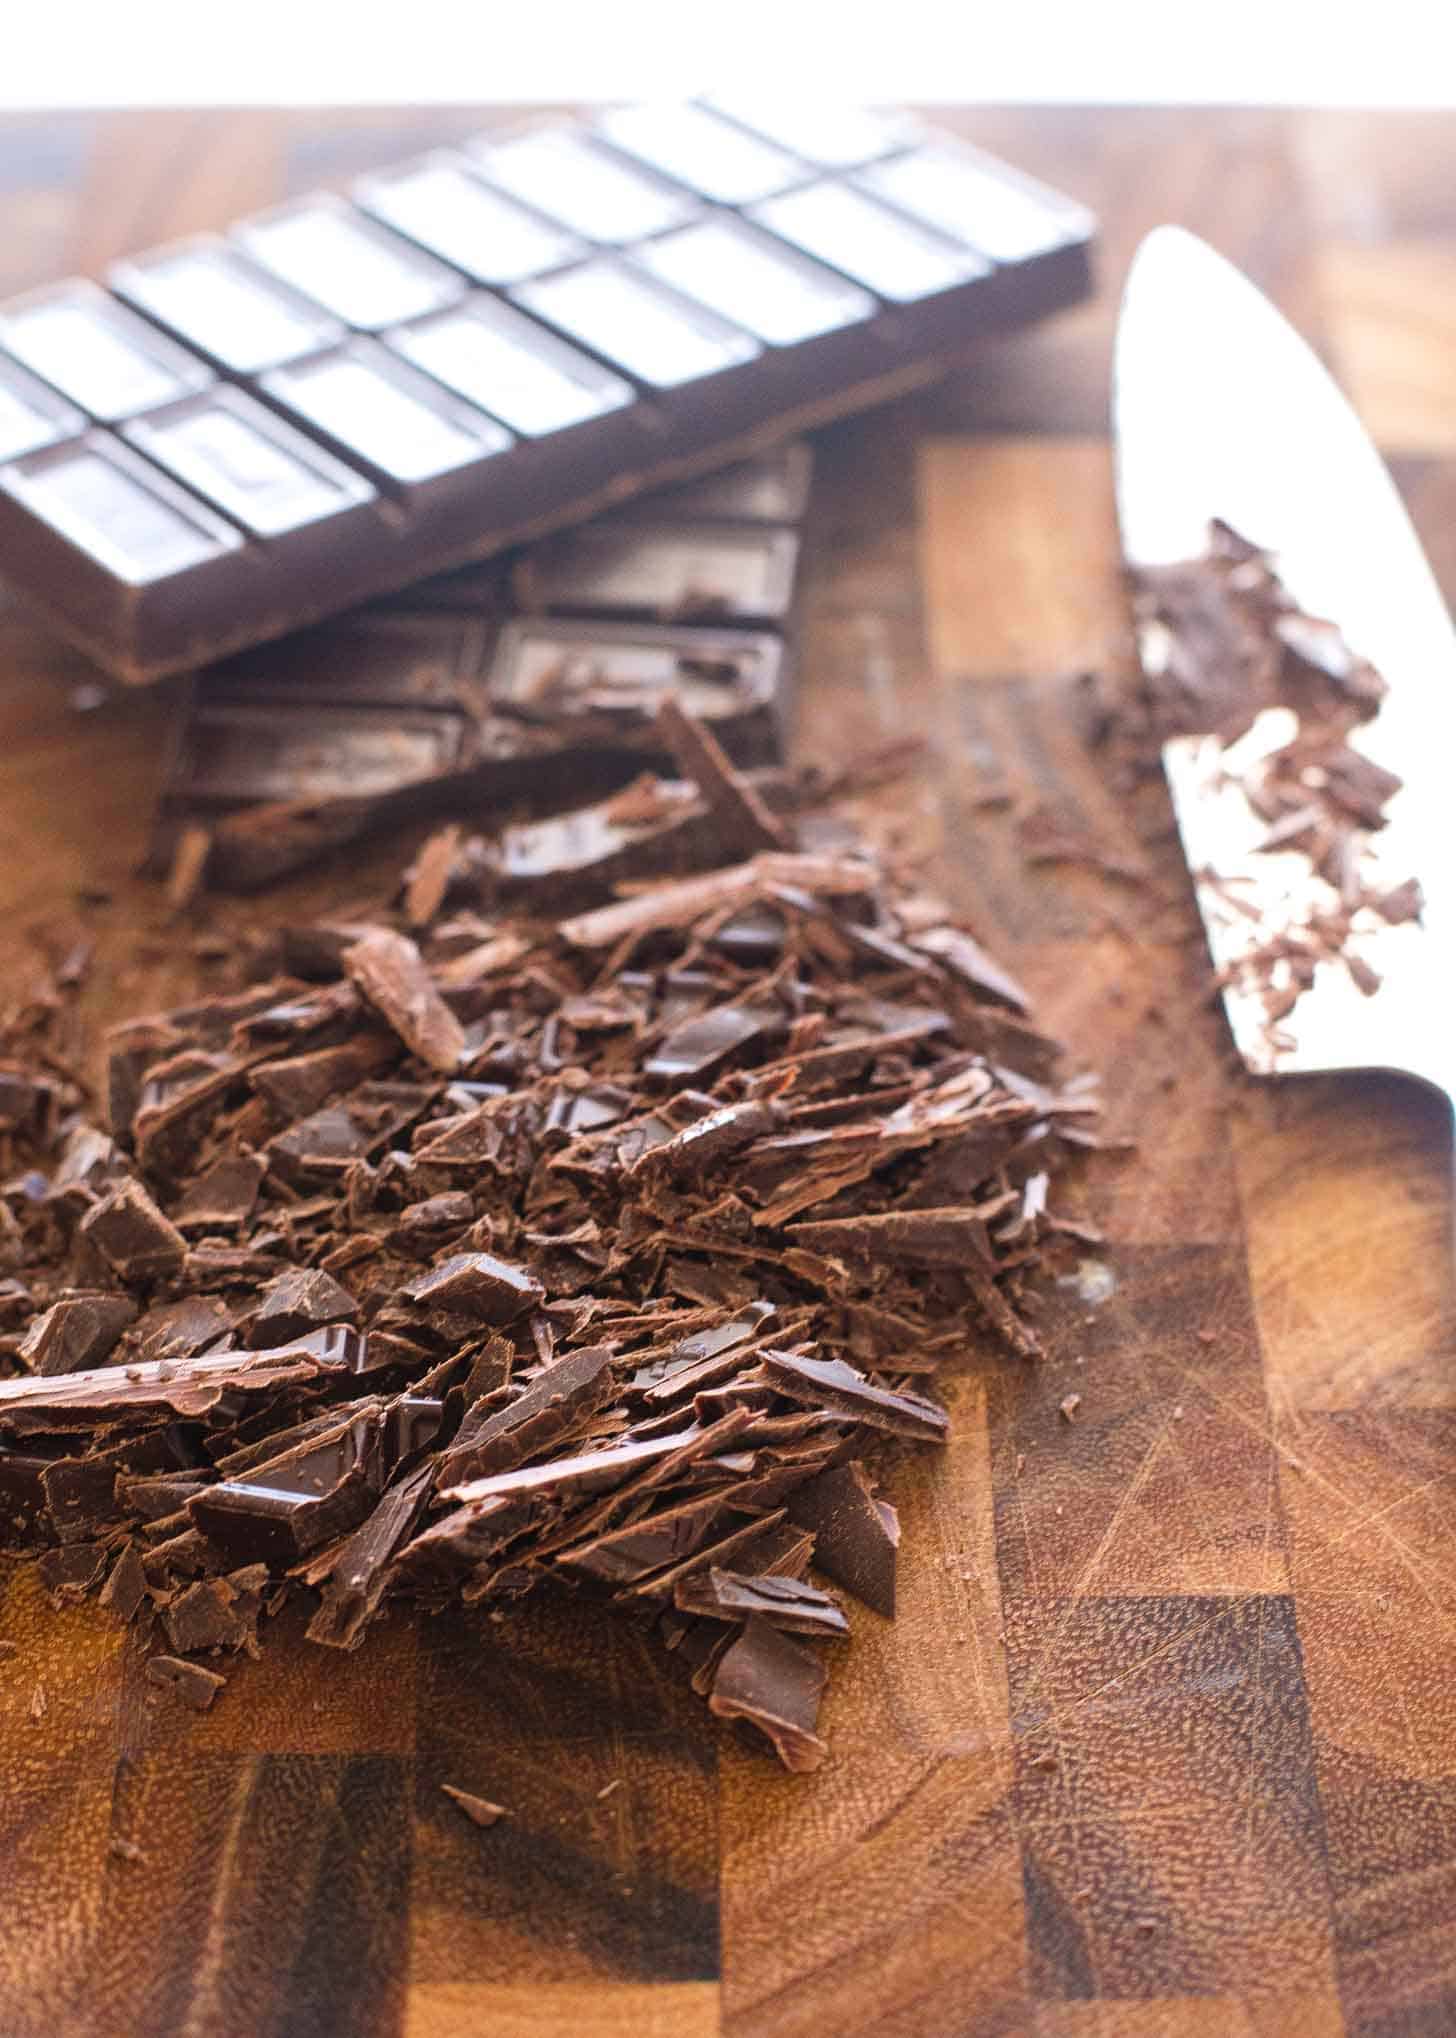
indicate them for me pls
(1221, 409)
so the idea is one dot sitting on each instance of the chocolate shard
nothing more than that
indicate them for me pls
(745, 824)
(300, 1300)
(690, 900)
(948, 1238)
(133, 1236)
(354, 1128)
(69, 1572)
(298, 1084)
(179, 1330)
(188, 1387)
(547, 1409)
(856, 1537)
(791, 1604)
(689, 1154)
(965, 958)
(204, 1616)
(77, 1332)
(126, 1587)
(774, 1684)
(390, 972)
(477, 1285)
(830, 1383)
(698, 1049)
(193, 1683)
(360, 1575)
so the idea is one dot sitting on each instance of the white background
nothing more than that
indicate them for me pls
(312, 52)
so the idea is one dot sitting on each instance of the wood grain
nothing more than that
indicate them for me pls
(1162, 1744)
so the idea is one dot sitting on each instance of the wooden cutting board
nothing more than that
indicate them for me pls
(1163, 1742)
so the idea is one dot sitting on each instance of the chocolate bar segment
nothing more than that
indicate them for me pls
(563, 172)
(372, 408)
(975, 200)
(32, 416)
(96, 353)
(440, 202)
(699, 148)
(730, 573)
(659, 339)
(219, 302)
(496, 358)
(861, 238)
(836, 137)
(352, 266)
(782, 297)
(497, 341)
(249, 464)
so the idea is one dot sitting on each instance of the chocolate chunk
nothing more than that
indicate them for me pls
(856, 1537)
(957, 952)
(193, 1684)
(298, 1084)
(126, 1587)
(300, 1300)
(391, 974)
(775, 1684)
(179, 1330)
(361, 1124)
(69, 1573)
(787, 1603)
(223, 1196)
(76, 1332)
(133, 1236)
(359, 1577)
(281, 1509)
(203, 1617)
(696, 1050)
(478, 1285)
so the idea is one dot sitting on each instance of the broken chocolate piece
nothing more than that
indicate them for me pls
(76, 1332)
(194, 1685)
(775, 1684)
(300, 1300)
(391, 974)
(831, 1383)
(791, 1604)
(133, 1236)
(856, 1537)
(480, 1286)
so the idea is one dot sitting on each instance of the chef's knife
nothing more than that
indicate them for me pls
(1222, 410)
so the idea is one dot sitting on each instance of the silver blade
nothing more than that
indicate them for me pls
(1221, 409)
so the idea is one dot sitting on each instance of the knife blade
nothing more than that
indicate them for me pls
(1221, 409)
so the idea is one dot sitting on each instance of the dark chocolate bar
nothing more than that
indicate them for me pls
(245, 433)
(539, 675)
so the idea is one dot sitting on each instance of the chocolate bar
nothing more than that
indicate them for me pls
(530, 678)
(245, 433)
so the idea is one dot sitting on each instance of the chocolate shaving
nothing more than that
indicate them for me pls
(194, 1685)
(391, 974)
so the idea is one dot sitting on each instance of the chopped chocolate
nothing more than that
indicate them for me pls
(775, 1684)
(390, 972)
(133, 1236)
(593, 1250)
(76, 1332)
(856, 1537)
(193, 1683)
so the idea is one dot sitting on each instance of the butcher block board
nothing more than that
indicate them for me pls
(1163, 1741)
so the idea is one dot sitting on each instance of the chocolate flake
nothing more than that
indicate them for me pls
(391, 974)
(193, 1683)
(479, 1810)
(775, 1684)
